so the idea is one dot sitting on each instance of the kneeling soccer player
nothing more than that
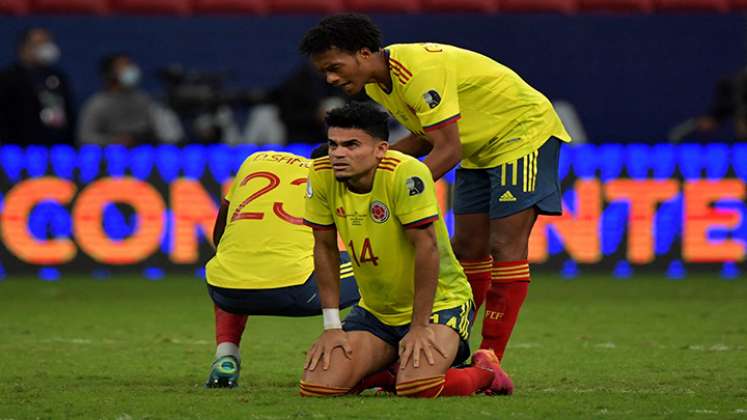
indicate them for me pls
(264, 261)
(416, 305)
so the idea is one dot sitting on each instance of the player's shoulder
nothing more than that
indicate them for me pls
(400, 164)
(412, 56)
(321, 164)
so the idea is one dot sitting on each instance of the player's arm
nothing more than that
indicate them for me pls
(447, 149)
(421, 336)
(413, 145)
(220, 222)
(327, 276)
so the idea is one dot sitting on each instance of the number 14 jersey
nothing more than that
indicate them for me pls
(265, 244)
(372, 226)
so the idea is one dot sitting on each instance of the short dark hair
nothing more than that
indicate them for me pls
(349, 32)
(24, 36)
(106, 64)
(362, 116)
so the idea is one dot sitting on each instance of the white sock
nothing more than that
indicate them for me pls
(227, 348)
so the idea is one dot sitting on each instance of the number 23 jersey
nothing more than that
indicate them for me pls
(265, 244)
(372, 227)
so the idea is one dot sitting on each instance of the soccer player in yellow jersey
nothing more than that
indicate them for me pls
(416, 305)
(461, 106)
(263, 264)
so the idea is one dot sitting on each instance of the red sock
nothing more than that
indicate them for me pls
(478, 274)
(228, 326)
(503, 302)
(466, 381)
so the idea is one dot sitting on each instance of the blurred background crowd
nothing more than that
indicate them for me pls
(226, 71)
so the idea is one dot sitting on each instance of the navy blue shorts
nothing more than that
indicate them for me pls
(513, 186)
(460, 319)
(301, 300)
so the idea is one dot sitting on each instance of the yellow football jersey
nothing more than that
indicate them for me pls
(265, 244)
(500, 117)
(372, 226)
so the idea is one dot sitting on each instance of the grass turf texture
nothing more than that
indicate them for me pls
(588, 348)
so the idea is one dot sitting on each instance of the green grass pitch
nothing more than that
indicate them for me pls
(593, 347)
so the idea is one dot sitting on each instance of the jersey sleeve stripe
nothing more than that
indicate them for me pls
(443, 123)
(399, 65)
(316, 226)
(421, 222)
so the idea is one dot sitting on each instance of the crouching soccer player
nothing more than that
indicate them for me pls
(416, 305)
(264, 261)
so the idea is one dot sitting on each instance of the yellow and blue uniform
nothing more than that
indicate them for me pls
(502, 120)
(265, 245)
(372, 225)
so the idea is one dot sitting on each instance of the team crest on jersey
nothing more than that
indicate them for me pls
(379, 212)
(432, 98)
(414, 185)
(309, 191)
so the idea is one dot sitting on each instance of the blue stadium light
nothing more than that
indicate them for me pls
(569, 270)
(12, 161)
(739, 160)
(117, 160)
(638, 160)
(167, 162)
(193, 161)
(89, 159)
(3, 274)
(300, 149)
(585, 160)
(614, 226)
(49, 219)
(663, 161)
(115, 223)
(142, 159)
(717, 160)
(37, 161)
(200, 273)
(610, 161)
(153, 273)
(730, 271)
(676, 270)
(49, 274)
(219, 162)
(690, 158)
(565, 161)
(64, 161)
(623, 270)
(168, 227)
(240, 153)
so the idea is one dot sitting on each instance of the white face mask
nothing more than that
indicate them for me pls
(129, 76)
(47, 53)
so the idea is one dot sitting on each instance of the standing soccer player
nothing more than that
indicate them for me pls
(264, 260)
(461, 106)
(416, 306)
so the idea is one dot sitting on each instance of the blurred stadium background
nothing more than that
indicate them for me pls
(653, 238)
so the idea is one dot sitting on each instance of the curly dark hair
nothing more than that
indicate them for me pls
(350, 32)
(362, 116)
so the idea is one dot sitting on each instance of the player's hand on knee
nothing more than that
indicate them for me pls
(419, 338)
(323, 347)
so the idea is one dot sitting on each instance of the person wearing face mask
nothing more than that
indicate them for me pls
(36, 104)
(121, 113)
